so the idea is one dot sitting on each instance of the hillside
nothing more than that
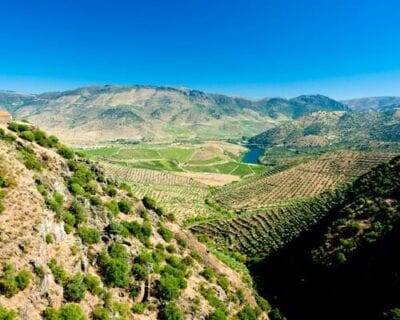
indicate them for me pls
(277, 206)
(327, 128)
(372, 103)
(347, 260)
(369, 212)
(76, 244)
(107, 113)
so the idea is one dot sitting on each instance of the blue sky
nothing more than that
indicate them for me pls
(253, 48)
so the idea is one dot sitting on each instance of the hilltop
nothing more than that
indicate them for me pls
(339, 127)
(151, 113)
(372, 103)
(75, 244)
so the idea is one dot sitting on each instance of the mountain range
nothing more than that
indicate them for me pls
(151, 113)
(372, 103)
(326, 128)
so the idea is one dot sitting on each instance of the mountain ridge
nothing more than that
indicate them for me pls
(155, 113)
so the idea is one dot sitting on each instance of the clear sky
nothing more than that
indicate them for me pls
(252, 48)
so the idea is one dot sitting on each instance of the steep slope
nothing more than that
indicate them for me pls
(105, 113)
(75, 245)
(278, 206)
(372, 103)
(347, 266)
(325, 128)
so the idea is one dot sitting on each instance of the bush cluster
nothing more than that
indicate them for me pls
(151, 204)
(70, 311)
(172, 279)
(12, 282)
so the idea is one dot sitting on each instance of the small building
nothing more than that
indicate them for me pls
(5, 117)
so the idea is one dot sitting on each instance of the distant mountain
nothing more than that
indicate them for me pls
(324, 128)
(372, 103)
(105, 113)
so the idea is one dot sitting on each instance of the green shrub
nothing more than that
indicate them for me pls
(170, 286)
(91, 187)
(29, 159)
(69, 218)
(79, 212)
(212, 299)
(28, 135)
(11, 283)
(139, 308)
(208, 273)
(111, 191)
(75, 288)
(6, 314)
(217, 315)
(18, 127)
(66, 152)
(263, 303)
(181, 242)
(8, 284)
(7, 136)
(92, 283)
(171, 312)
(89, 235)
(70, 311)
(125, 206)
(53, 140)
(146, 229)
(59, 273)
(171, 248)
(101, 314)
(116, 273)
(113, 207)
(117, 250)
(247, 313)
(139, 271)
(49, 238)
(150, 203)
(95, 201)
(68, 228)
(188, 261)
(223, 282)
(53, 205)
(82, 175)
(165, 233)
(116, 227)
(76, 189)
(144, 258)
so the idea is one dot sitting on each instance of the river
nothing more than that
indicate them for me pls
(252, 155)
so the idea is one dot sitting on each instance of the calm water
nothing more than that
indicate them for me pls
(252, 155)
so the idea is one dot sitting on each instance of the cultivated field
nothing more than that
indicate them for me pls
(278, 205)
(179, 195)
(214, 157)
(258, 234)
(301, 181)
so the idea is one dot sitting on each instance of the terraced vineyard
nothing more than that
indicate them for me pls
(260, 234)
(176, 194)
(302, 181)
(278, 205)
